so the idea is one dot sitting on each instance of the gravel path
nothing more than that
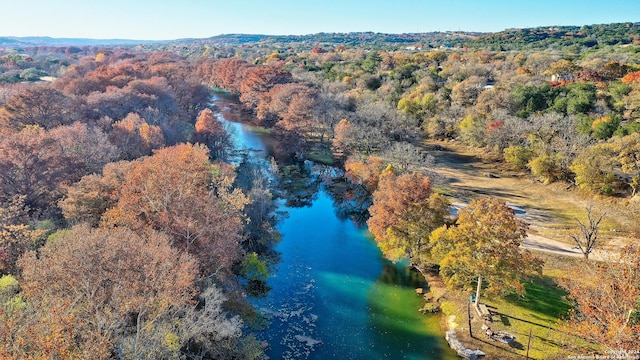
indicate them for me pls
(541, 243)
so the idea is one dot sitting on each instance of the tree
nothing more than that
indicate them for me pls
(16, 235)
(371, 62)
(484, 244)
(631, 78)
(409, 237)
(343, 137)
(587, 238)
(134, 137)
(562, 70)
(296, 103)
(39, 105)
(613, 70)
(84, 145)
(365, 172)
(631, 103)
(418, 105)
(605, 295)
(116, 286)
(580, 98)
(407, 157)
(257, 81)
(404, 211)
(466, 92)
(604, 127)
(518, 156)
(531, 99)
(227, 74)
(114, 104)
(32, 164)
(628, 149)
(207, 331)
(555, 142)
(179, 192)
(211, 132)
(88, 199)
(594, 169)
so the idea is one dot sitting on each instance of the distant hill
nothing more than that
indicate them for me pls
(560, 36)
(538, 38)
(350, 39)
(29, 41)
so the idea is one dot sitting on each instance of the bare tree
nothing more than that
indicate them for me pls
(587, 239)
(408, 157)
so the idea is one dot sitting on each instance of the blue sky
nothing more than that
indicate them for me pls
(173, 19)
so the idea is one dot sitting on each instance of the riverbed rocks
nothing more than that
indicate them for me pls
(296, 320)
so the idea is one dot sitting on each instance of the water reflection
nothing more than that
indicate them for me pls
(297, 186)
(350, 201)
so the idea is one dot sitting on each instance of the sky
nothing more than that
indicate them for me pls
(176, 19)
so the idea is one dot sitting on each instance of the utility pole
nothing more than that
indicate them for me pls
(529, 343)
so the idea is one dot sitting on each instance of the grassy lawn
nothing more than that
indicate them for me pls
(537, 312)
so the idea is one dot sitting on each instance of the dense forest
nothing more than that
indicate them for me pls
(126, 232)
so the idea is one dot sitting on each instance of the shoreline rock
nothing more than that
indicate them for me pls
(450, 334)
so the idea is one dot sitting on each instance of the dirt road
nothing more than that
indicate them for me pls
(541, 243)
(550, 210)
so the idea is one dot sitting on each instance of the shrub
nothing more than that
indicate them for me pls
(518, 156)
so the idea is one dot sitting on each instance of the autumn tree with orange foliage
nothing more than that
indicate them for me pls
(257, 81)
(226, 74)
(606, 298)
(211, 132)
(631, 78)
(134, 137)
(289, 111)
(365, 172)
(343, 137)
(39, 105)
(179, 192)
(112, 291)
(404, 211)
(88, 199)
(16, 235)
(291, 104)
(33, 165)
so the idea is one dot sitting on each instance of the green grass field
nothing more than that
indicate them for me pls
(538, 313)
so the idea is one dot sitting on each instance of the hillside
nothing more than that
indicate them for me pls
(559, 36)
(538, 38)
(30, 41)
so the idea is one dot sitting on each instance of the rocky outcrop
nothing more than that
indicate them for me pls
(462, 351)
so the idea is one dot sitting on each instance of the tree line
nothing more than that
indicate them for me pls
(124, 233)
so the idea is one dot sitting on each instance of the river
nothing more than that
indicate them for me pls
(333, 295)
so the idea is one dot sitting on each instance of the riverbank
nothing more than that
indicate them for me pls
(448, 302)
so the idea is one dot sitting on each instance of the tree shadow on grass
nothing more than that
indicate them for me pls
(503, 315)
(544, 296)
(495, 345)
(505, 320)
